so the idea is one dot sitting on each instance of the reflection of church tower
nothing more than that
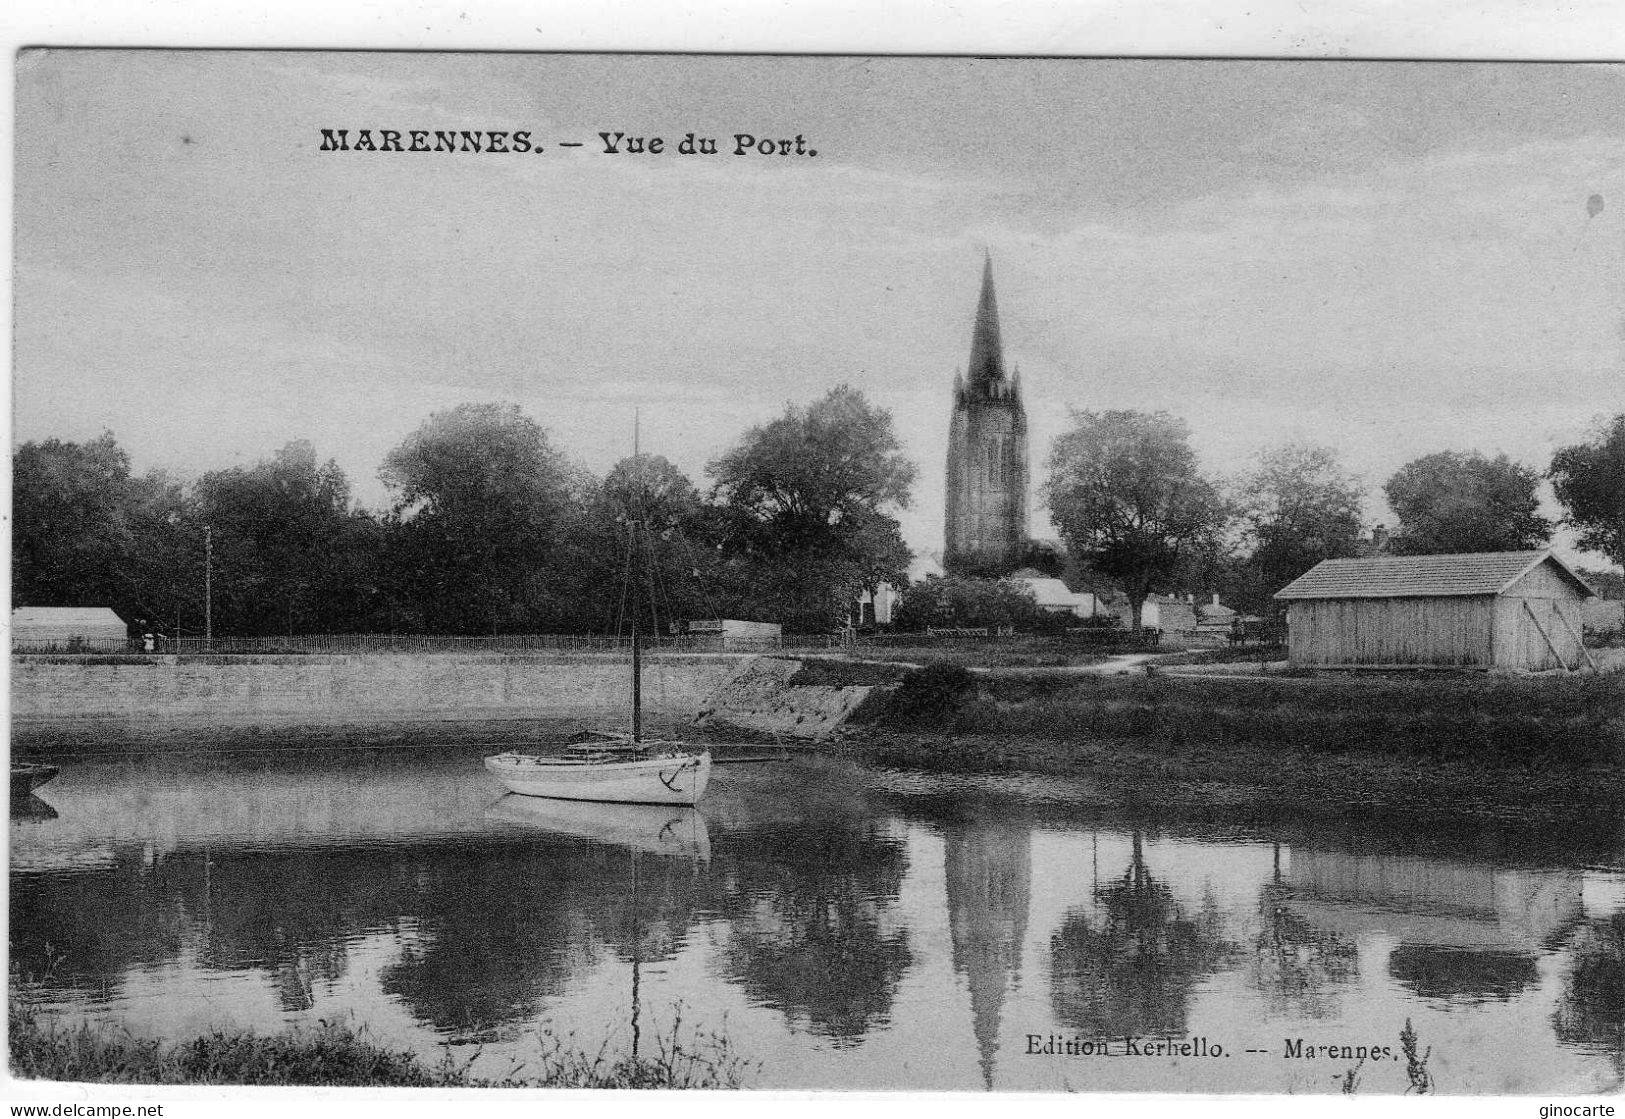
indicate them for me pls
(987, 455)
(989, 875)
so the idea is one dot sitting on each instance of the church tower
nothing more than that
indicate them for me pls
(987, 455)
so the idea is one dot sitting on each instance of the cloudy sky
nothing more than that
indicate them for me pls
(1389, 258)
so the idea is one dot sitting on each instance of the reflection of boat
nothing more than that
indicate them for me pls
(28, 776)
(615, 767)
(648, 828)
(30, 807)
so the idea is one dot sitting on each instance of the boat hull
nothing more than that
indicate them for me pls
(28, 776)
(679, 779)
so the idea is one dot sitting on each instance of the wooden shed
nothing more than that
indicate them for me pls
(1520, 611)
(59, 628)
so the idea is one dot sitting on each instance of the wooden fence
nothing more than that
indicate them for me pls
(368, 643)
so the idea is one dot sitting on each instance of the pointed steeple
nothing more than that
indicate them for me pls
(986, 350)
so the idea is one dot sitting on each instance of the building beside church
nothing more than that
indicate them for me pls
(1518, 611)
(987, 455)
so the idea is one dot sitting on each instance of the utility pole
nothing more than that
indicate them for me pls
(208, 587)
(637, 649)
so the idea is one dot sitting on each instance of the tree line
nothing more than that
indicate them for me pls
(1129, 500)
(491, 529)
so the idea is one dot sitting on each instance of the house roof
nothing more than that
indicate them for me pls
(1469, 574)
(1053, 592)
(65, 616)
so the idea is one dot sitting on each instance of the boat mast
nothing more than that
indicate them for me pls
(637, 649)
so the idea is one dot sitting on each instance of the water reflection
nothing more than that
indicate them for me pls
(655, 829)
(31, 807)
(89, 927)
(818, 906)
(810, 926)
(1591, 1011)
(1128, 964)
(1467, 931)
(1297, 969)
(988, 870)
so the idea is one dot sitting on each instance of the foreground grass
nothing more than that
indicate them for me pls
(338, 1056)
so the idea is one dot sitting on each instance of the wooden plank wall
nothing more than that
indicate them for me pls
(1519, 644)
(1392, 631)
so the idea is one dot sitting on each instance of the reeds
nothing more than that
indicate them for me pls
(336, 1054)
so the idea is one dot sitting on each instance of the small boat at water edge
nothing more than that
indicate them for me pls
(629, 773)
(28, 776)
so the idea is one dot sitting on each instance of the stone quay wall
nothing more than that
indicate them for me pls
(317, 689)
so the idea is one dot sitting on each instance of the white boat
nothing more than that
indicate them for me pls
(640, 773)
(613, 767)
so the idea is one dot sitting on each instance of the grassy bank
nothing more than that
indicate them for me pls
(1571, 721)
(1488, 742)
(336, 1055)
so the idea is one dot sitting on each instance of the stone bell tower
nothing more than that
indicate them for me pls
(987, 455)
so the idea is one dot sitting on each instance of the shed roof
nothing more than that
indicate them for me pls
(1469, 574)
(65, 616)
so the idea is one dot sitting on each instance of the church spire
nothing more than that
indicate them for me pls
(986, 350)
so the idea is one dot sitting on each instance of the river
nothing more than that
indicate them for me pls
(841, 927)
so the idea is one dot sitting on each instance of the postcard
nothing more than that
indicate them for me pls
(818, 573)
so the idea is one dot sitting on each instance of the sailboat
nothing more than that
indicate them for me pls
(614, 766)
(627, 772)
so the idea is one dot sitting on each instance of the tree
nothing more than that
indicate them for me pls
(677, 566)
(1299, 508)
(1607, 584)
(70, 533)
(85, 532)
(1464, 502)
(1589, 479)
(288, 552)
(1125, 493)
(956, 600)
(803, 503)
(481, 500)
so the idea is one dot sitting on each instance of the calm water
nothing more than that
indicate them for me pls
(846, 928)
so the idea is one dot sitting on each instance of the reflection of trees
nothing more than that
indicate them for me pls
(661, 909)
(1462, 973)
(1297, 968)
(504, 927)
(807, 923)
(500, 926)
(1130, 965)
(291, 913)
(1591, 1010)
(87, 928)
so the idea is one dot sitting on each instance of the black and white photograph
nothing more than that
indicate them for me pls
(837, 573)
